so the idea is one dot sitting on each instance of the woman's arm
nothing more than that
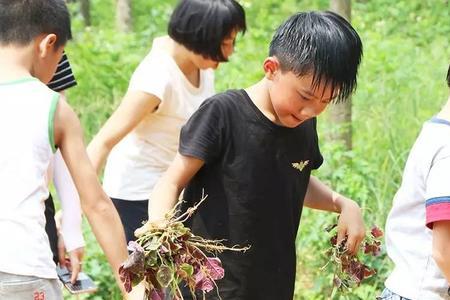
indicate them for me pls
(134, 107)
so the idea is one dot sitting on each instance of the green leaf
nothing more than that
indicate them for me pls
(153, 244)
(151, 259)
(188, 269)
(164, 276)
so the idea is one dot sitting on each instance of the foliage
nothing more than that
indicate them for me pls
(401, 84)
(350, 270)
(167, 255)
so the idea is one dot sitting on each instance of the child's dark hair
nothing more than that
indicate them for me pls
(23, 20)
(321, 43)
(448, 76)
(202, 25)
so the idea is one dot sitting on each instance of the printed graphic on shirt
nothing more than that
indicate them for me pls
(300, 165)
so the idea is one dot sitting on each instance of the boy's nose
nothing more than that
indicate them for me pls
(313, 110)
(308, 112)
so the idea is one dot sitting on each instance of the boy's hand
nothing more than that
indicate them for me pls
(73, 263)
(350, 225)
(148, 225)
(76, 258)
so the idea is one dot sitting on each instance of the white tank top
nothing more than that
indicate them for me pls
(26, 129)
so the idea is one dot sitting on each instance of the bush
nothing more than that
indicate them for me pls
(401, 84)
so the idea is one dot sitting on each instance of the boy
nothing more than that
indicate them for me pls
(34, 123)
(418, 225)
(252, 151)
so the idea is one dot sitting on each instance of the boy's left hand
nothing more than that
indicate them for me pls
(350, 225)
(73, 263)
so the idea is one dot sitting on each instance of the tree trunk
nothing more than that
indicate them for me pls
(123, 15)
(341, 114)
(86, 12)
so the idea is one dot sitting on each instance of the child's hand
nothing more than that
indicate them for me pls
(141, 230)
(350, 225)
(73, 263)
(148, 225)
(76, 258)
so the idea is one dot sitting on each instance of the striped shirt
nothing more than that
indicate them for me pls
(63, 78)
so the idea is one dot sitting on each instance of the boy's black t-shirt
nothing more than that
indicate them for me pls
(255, 175)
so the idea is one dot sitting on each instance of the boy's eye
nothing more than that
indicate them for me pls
(303, 98)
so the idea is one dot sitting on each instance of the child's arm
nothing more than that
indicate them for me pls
(72, 237)
(166, 192)
(351, 224)
(134, 107)
(441, 246)
(100, 212)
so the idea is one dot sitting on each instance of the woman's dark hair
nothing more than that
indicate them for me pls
(322, 44)
(23, 20)
(202, 25)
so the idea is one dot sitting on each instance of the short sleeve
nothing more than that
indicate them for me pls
(202, 135)
(438, 190)
(152, 77)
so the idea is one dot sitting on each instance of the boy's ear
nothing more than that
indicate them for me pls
(271, 67)
(47, 43)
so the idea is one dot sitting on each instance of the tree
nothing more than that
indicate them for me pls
(341, 113)
(123, 15)
(86, 12)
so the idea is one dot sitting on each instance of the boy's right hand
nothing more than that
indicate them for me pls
(150, 224)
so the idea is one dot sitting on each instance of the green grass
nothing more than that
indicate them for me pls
(401, 85)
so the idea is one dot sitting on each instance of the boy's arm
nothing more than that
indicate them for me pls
(72, 236)
(100, 212)
(200, 141)
(132, 110)
(70, 204)
(168, 189)
(351, 224)
(441, 246)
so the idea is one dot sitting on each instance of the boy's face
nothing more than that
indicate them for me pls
(295, 99)
(48, 57)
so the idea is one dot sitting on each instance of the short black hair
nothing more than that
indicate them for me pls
(23, 20)
(448, 76)
(322, 44)
(202, 25)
